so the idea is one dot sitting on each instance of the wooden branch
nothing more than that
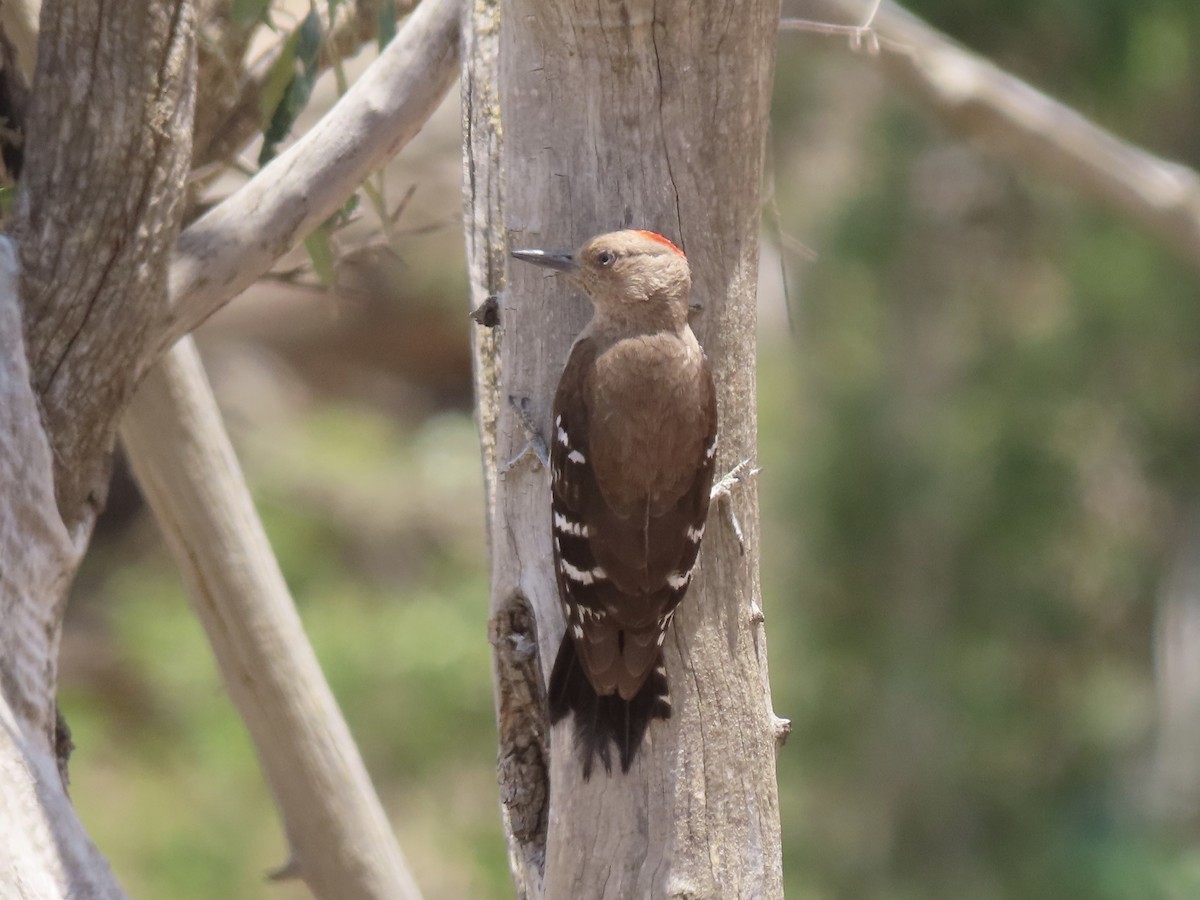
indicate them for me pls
(91, 176)
(341, 842)
(594, 118)
(227, 249)
(37, 550)
(45, 849)
(99, 209)
(104, 174)
(1004, 115)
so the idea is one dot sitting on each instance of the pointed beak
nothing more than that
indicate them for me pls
(563, 262)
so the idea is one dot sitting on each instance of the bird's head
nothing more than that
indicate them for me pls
(630, 275)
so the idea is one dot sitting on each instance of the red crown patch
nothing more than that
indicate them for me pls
(655, 236)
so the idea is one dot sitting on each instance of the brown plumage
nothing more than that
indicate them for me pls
(632, 451)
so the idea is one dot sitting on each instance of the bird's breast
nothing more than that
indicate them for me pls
(647, 424)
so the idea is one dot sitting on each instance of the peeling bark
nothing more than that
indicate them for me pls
(522, 760)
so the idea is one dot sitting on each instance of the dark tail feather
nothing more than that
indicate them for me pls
(601, 721)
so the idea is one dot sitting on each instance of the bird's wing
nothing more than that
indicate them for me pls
(622, 574)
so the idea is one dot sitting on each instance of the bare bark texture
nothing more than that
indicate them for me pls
(107, 150)
(108, 147)
(45, 851)
(98, 172)
(341, 842)
(522, 760)
(598, 117)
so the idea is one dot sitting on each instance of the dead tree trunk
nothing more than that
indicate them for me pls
(581, 118)
(107, 151)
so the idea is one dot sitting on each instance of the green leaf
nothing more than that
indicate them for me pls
(308, 45)
(343, 216)
(283, 70)
(350, 206)
(303, 48)
(251, 12)
(320, 251)
(385, 27)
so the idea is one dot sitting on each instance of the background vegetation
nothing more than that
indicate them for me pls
(980, 435)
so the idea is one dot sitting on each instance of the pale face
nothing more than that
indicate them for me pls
(632, 267)
(637, 280)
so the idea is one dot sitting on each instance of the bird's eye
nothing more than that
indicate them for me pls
(606, 258)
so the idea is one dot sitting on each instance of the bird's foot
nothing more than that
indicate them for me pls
(722, 492)
(537, 444)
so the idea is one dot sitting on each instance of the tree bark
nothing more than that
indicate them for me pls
(97, 223)
(595, 118)
(340, 839)
(107, 151)
(45, 850)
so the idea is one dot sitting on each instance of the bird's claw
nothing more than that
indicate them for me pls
(722, 491)
(537, 443)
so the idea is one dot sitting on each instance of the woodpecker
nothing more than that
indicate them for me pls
(633, 446)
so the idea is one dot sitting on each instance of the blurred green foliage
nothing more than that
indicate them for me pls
(980, 447)
(997, 444)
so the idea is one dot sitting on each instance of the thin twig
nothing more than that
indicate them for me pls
(226, 250)
(861, 36)
(1010, 118)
